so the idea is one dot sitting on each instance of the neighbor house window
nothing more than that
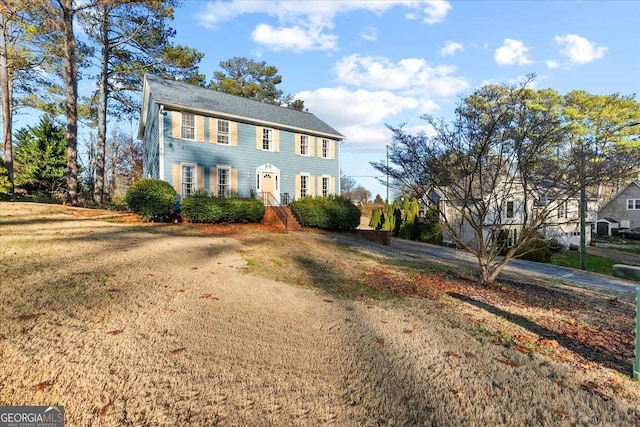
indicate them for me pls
(224, 184)
(563, 210)
(267, 139)
(188, 179)
(304, 145)
(510, 209)
(511, 237)
(325, 186)
(325, 148)
(304, 186)
(633, 204)
(223, 132)
(188, 127)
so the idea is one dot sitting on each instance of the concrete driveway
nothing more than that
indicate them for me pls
(457, 257)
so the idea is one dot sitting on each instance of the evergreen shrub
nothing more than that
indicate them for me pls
(200, 207)
(327, 213)
(151, 198)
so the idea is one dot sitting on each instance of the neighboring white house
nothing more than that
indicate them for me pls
(508, 208)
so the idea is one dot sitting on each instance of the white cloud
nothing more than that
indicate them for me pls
(370, 34)
(578, 49)
(450, 48)
(512, 52)
(296, 38)
(552, 64)
(308, 19)
(410, 75)
(343, 107)
(428, 130)
(435, 11)
(365, 138)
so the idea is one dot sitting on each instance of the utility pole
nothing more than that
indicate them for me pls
(387, 201)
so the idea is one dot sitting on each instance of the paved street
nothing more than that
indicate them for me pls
(567, 275)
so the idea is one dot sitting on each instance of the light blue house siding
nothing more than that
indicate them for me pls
(195, 138)
(151, 144)
(246, 158)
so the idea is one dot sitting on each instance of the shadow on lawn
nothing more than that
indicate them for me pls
(590, 353)
(376, 378)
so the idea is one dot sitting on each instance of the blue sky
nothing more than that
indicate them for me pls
(361, 64)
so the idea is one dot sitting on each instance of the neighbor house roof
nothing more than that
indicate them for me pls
(179, 95)
(619, 193)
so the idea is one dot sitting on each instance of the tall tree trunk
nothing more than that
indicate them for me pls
(71, 104)
(98, 190)
(6, 87)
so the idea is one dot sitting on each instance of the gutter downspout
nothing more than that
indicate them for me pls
(339, 192)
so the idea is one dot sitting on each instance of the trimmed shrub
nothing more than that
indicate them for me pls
(327, 213)
(538, 250)
(200, 207)
(151, 198)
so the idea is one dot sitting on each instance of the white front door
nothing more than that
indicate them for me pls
(269, 184)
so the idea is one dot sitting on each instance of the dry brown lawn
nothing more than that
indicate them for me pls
(128, 323)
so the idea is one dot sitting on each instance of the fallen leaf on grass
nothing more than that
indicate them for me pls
(43, 385)
(562, 414)
(380, 342)
(180, 290)
(208, 295)
(113, 290)
(177, 350)
(593, 388)
(194, 268)
(116, 332)
(103, 411)
(327, 300)
(452, 354)
(407, 331)
(508, 362)
(28, 316)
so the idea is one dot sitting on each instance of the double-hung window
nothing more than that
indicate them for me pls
(267, 139)
(304, 145)
(304, 186)
(325, 186)
(325, 148)
(188, 179)
(633, 204)
(563, 209)
(224, 182)
(188, 126)
(223, 132)
(510, 209)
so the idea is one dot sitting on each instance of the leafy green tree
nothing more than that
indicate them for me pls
(132, 39)
(21, 81)
(602, 143)
(40, 158)
(254, 80)
(5, 184)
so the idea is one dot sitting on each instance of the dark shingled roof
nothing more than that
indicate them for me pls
(170, 92)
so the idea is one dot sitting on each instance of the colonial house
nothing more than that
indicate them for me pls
(507, 209)
(197, 138)
(622, 211)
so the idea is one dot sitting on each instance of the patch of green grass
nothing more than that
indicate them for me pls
(595, 264)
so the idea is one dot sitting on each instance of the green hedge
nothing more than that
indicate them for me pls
(538, 250)
(200, 207)
(151, 198)
(327, 213)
